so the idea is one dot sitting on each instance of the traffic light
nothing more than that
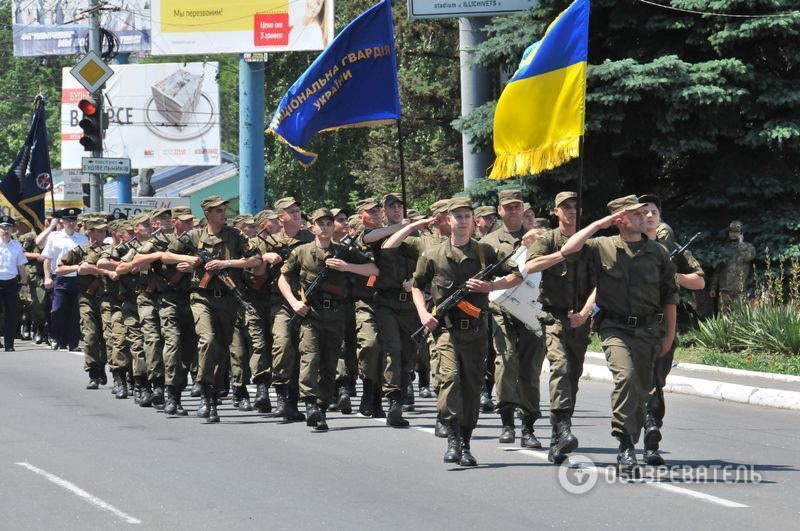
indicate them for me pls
(92, 139)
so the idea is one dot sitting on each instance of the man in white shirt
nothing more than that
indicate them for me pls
(12, 275)
(64, 315)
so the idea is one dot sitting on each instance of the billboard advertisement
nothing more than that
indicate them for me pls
(158, 115)
(59, 27)
(211, 27)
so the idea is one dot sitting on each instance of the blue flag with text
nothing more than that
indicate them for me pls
(352, 83)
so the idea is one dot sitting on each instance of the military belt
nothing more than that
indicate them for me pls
(397, 295)
(634, 321)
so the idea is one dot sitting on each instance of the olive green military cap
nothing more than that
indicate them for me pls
(337, 211)
(367, 204)
(459, 202)
(354, 222)
(650, 198)
(95, 223)
(243, 219)
(563, 196)
(413, 215)
(285, 202)
(505, 197)
(213, 201)
(627, 203)
(160, 212)
(437, 207)
(182, 213)
(141, 219)
(264, 215)
(736, 226)
(390, 199)
(321, 213)
(485, 210)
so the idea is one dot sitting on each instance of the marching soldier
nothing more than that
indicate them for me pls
(322, 329)
(212, 301)
(485, 220)
(519, 352)
(285, 336)
(461, 340)
(82, 261)
(689, 276)
(637, 296)
(564, 283)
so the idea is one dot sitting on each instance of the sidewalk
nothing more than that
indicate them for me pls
(746, 387)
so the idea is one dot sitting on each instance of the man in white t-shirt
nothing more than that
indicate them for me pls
(13, 277)
(65, 314)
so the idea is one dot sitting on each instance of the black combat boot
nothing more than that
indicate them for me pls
(114, 383)
(365, 407)
(204, 407)
(129, 382)
(487, 405)
(395, 416)
(322, 424)
(507, 435)
(377, 403)
(101, 373)
(158, 394)
(440, 430)
(196, 390)
(292, 414)
(408, 397)
(280, 401)
(466, 456)
(94, 379)
(528, 439)
(627, 466)
(213, 417)
(170, 404)
(453, 453)
(566, 442)
(138, 386)
(552, 455)
(343, 401)
(122, 386)
(652, 436)
(146, 400)
(179, 410)
(262, 402)
(652, 433)
(39, 335)
(313, 413)
(25, 331)
(425, 385)
(244, 399)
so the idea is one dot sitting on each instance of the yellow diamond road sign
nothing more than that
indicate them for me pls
(91, 72)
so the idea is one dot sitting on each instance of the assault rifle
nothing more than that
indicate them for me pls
(680, 250)
(319, 280)
(458, 297)
(223, 274)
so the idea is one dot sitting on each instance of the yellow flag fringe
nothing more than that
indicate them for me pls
(536, 160)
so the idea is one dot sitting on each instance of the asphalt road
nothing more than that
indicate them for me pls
(77, 459)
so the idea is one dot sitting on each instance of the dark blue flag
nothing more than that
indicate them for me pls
(352, 83)
(29, 179)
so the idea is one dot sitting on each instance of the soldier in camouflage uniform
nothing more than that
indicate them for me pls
(689, 276)
(36, 312)
(83, 260)
(730, 278)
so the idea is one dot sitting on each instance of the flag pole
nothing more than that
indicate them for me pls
(37, 102)
(402, 166)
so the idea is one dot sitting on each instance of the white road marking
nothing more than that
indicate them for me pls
(694, 494)
(94, 500)
(659, 485)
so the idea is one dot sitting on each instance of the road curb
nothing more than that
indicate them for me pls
(730, 392)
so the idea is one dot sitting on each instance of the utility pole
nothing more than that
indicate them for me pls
(476, 89)
(251, 135)
(96, 183)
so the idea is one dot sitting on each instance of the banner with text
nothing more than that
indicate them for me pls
(158, 115)
(208, 26)
(60, 27)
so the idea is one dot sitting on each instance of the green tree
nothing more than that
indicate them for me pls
(703, 110)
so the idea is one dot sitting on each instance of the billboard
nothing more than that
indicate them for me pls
(59, 27)
(466, 8)
(158, 115)
(211, 27)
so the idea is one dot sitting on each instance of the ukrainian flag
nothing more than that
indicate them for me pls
(540, 115)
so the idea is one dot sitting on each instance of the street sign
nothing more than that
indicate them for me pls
(103, 165)
(91, 72)
(466, 8)
(128, 209)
